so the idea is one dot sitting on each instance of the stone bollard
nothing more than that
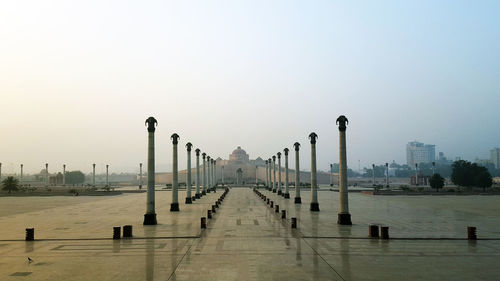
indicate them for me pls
(268, 202)
(384, 232)
(30, 234)
(116, 232)
(272, 204)
(471, 233)
(203, 223)
(213, 209)
(294, 222)
(216, 204)
(373, 231)
(127, 231)
(209, 214)
(193, 198)
(283, 214)
(277, 208)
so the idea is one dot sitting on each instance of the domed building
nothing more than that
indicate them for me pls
(239, 156)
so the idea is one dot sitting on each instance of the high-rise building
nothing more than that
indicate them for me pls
(495, 157)
(417, 152)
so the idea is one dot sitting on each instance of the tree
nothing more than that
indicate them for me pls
(75, 177)
(436, 181)
(10, 184)
(470, 174)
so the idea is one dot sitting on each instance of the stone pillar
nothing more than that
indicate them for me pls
(107, 175)
(0, 172)
(373, 174)
(93, 174)
(331, 175)
(416, 174)
(64, 174)
(150, 216)
(275, 186)
(298, 200)
(270, 188)
(314, 182)
(287, 193)
(279, 173)
(189, 200)
(174, 206)
(256, 176)
(204, 190)
(198, 194)
(47, 173)
(433, 167)
(209, 175)
(21, 177)
(140, 175)
(387, 175)
(343, 217)
(222, 175)
(267, 171)
(215, 175)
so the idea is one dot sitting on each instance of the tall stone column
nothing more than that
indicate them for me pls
(174, 206)
(198, 194)
(47, 173)
(314, 182)
(189, 200)
(256, 176)
(150, 216)
(270, 188)
(215, 175)
(275, 185)
(279, 173)
(267, 172)
(373, 174)
(222, 174)
(21, 177)
(387, 175)
(416, 174)
(107, 175)
(93, 174)
(209, 175)
(204, 190)
(331, 175)
(140, 175)
(287, 193)
(64, 174)
(343, 217)
(298, 200)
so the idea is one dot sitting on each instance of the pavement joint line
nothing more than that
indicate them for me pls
(400, 238)
(95, 239)
(316, 252)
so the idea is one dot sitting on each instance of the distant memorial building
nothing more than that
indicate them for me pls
(240, 166)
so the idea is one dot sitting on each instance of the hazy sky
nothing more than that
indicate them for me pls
(78, 80)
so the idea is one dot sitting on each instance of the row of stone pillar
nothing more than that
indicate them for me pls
(207, 180)
(344, 216)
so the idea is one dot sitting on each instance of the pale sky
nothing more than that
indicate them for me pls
(78, 80)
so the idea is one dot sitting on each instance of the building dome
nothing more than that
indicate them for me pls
(239, 155)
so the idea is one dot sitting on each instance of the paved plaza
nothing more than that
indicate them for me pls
(247, 240)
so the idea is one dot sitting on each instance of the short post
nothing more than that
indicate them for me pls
(127, 231)
(213, 209)
(385, 232)
(294, 222)
(209, 214)
(471, 233)
(283, 214)
(203, 222)
(30, 234)
(272, 204)
(116, 232)
(277, 208)
(373, 231)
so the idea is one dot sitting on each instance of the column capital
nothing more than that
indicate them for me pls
(286, 151)
(313, 136)
(274, 158)
(204, 155)
(175, 138)
(342, 121)
(151, 122)
(188, 146)
(297, 146)
(197, 151)
(279, 155)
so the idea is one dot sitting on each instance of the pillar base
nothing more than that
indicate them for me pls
(298, 200)
(314, 207)
(279, 192)
(287, 195)
(174, 207)
(189, 200)
(344, 219)
(274, 190)
(208, 190)
(149, 219)
(203, 192)
(197, 195)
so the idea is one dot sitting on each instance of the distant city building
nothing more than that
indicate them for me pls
(417, 152)
(495, 157)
